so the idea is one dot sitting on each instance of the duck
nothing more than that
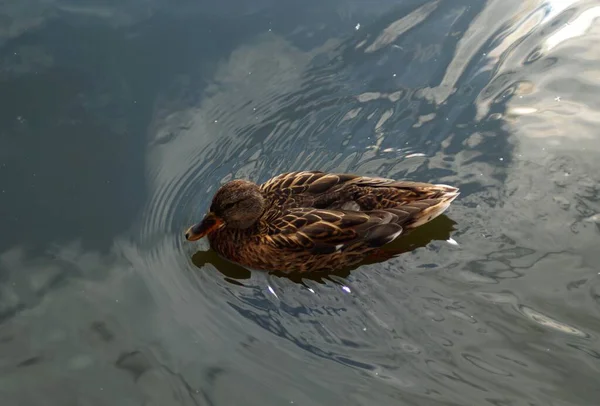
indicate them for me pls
(311, 221)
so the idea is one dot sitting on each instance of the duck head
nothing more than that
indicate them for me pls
(237, 204)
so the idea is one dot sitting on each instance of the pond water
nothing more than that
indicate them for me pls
(118, 121)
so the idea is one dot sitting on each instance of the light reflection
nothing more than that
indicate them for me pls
(575, 28)
(519, 111)
(399, 27)
(547, 321)
(452, 241)
(555, 7)
(272, 291)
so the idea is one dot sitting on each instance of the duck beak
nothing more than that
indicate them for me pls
(209, 224)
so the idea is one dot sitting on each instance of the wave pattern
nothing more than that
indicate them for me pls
(446, 91)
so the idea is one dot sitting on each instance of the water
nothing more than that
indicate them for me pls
(118, 120)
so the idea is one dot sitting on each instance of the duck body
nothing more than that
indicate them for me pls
(310, 221)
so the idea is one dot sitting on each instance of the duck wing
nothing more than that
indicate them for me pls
(321, 231)
(305, 182)
(320, 190)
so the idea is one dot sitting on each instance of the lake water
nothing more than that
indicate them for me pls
(119, 119)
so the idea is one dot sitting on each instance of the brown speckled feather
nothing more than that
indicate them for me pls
(315, 221)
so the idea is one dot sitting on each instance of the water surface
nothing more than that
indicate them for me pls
(118, 121)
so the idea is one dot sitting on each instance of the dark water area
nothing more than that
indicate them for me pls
(118, 121)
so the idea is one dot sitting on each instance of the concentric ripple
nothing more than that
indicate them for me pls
(429, 110)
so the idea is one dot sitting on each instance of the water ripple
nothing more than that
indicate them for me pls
(407, 324)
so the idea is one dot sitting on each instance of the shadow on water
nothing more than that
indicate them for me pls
(439, 229)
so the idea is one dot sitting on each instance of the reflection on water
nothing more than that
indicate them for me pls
(119, 122)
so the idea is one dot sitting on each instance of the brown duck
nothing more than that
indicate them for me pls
(315, 221)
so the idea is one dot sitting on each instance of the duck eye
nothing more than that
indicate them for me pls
(228, 206)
